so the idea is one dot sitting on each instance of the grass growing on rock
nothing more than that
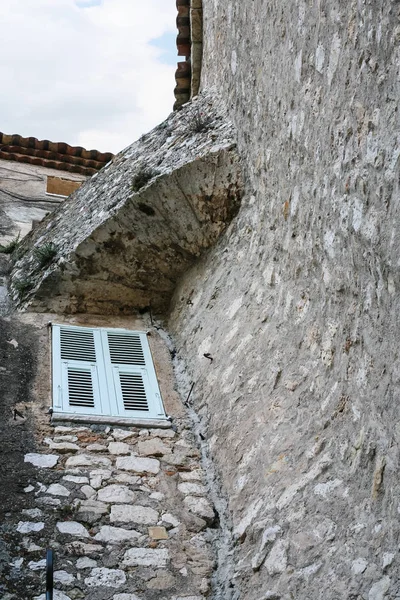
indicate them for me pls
(142, 177)
(45, 254)
(11, 247)
(23, 286)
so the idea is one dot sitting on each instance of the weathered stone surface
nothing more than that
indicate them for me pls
(85, 563)
(193, 489)
(196, 475)
(57, 595)
(163, 433)
(37, 565)
(88, 491)
(85, 460)
(82, 549)
(200, 507)
(29, 527)
(153, 447)
(56, 489)
(135, 557)
(72, 528)
(97, 476)
(138, 465)
(158, 533)
(63, 577)
(126, 597)
(96, 448)
(124, 513)
(43, 461)
(116, 535)
(91, 510)
(116, 493)
(33, 513)
(101, 576)
(168, 209)
(122, 434)
(119, 448)
(75, 479)
(162, 581)
(62, 447)
(379, 589)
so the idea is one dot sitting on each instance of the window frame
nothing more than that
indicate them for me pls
(109, 404)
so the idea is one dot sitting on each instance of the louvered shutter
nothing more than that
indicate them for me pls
(106, 372)
(79, 383)
(130, 370)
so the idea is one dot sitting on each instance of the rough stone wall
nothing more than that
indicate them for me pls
(125, 237)
(125, 509)
(298, 304)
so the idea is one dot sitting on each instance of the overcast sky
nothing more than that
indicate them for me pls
(93, 73)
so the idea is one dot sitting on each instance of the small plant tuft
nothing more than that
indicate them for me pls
(45, 254)
(142, 177)
(198, 122)
(23, 286)
(11, 247)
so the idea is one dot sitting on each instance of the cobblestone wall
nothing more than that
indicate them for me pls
(298, 305)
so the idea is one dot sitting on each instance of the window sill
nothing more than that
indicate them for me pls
(148, 423)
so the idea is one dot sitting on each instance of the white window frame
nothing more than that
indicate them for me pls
(105, 402)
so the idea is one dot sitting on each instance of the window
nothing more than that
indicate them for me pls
(104, 373)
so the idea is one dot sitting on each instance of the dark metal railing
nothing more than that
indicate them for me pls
(49, 574)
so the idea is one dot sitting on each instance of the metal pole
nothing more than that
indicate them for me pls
(49, 574)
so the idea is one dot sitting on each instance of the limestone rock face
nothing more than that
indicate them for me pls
(127, 235)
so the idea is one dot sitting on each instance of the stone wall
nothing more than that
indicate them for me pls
(298, 304)
(125, 237)
(126, 510)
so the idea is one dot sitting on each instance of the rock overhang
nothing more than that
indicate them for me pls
(127, 235)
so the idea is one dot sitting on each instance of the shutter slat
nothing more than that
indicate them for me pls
(125, 349)
(77, 345)
(80, 387)
(133, 392)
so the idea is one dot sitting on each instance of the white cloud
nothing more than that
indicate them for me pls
(84, 71)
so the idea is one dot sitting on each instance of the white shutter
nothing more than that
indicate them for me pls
(78, 373)
(107, 372)
(130, 366)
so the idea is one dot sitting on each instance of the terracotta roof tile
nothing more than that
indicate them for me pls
(53, 155)
(189, 44)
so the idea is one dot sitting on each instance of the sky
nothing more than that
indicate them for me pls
(91, 73)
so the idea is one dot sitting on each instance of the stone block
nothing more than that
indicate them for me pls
(116, 493)
(143, 466)
(43, 461)
(153, 447)
(29, 527)
(56, 489)
(116, 535)
(72, 528)
(101, 576)
(200, 507)
(119, 448)
(158, 533)
(84, 460)
(123, 513)
(146, 557)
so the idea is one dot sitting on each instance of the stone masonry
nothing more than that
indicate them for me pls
(126, 236)
(298, 304)
(125, 511)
